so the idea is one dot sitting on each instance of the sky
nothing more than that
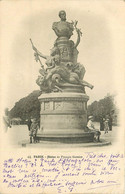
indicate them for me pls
(101, 49)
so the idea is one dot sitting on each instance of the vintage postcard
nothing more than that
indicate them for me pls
(62, 96)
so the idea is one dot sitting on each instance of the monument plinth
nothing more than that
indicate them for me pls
(63, 115)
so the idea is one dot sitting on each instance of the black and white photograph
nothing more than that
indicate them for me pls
(62, 96)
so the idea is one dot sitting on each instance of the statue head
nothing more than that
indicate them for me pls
(62, 15)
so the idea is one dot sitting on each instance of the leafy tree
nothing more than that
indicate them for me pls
(27, 107)
(102, 107)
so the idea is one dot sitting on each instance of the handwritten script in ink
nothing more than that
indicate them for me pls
(63, 173)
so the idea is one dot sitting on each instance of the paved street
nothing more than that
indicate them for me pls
(18, 136)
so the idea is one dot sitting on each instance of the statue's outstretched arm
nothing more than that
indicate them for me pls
(41, 55)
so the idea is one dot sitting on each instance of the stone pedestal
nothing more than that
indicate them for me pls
(63, 117)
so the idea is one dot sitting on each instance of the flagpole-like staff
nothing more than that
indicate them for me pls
(37, 58)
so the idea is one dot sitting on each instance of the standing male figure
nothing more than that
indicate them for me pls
(110, 122)
(101, 123)
(29, 123)
(33, 130)
(106, 124)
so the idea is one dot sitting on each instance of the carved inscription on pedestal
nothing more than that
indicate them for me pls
(42, 106)
(46, 105)
(58, 105)
(74, 105)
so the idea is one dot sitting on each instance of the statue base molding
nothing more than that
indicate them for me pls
(63, 118)
(84, 137)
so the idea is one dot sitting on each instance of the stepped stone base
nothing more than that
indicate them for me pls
(68, 138)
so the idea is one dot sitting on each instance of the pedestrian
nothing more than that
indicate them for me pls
(101, 123)
(106, 124)
(91, 126)
(6, 120)
(33, 130)
(29, 122)
(110, 122)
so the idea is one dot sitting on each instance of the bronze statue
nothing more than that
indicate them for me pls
(63, 28)
(61, 66)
